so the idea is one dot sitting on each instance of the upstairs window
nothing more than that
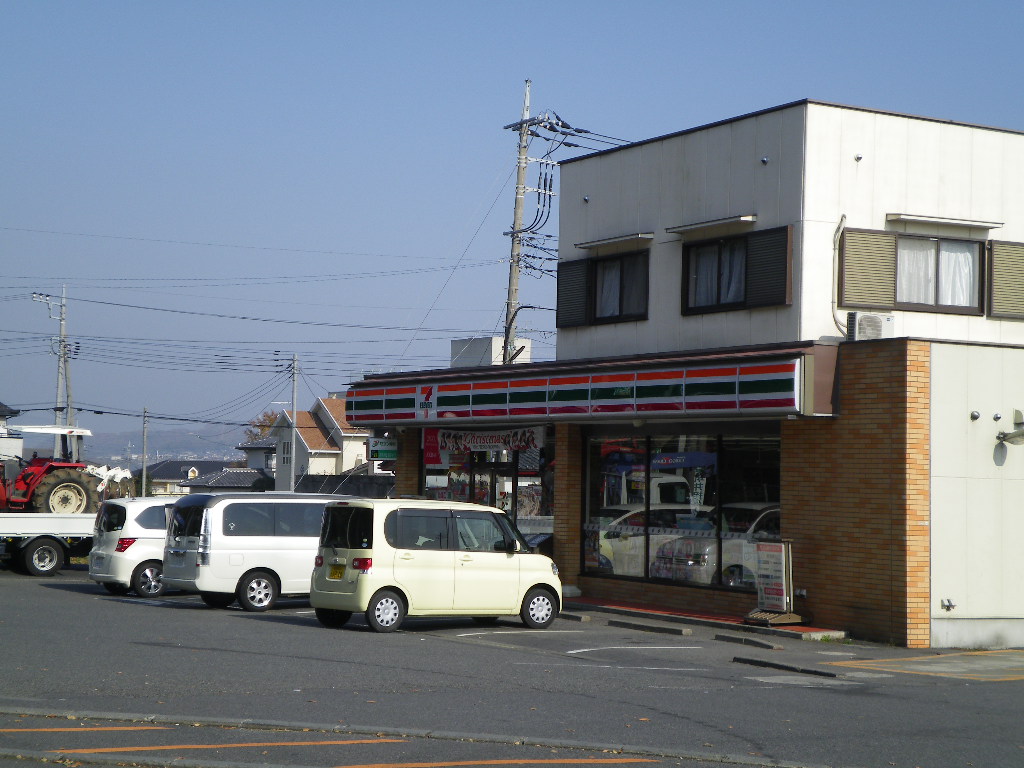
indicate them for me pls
(752, 270)
(621, 287)
(937, 273)
(609, 289)
(718, 273)
(886, 270)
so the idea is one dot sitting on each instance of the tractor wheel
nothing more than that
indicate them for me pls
(66, 492)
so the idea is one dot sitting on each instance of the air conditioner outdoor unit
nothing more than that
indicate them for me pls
(864, 326)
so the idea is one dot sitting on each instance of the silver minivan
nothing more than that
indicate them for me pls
(250, 547)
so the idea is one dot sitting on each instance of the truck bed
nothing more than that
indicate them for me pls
(41, 523)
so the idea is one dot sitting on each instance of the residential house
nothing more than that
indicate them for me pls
(812, 312)
(231, 479)
(326, 444)
(171, 477)
(260, 453)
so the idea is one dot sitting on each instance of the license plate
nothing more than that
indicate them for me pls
(337, 572)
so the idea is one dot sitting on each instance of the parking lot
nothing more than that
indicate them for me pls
(453, 692)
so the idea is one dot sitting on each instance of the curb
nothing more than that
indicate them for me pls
(656, 620)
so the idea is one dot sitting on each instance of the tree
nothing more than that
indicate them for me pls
(260, 426)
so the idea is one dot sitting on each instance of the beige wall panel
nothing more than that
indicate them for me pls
(976, 483)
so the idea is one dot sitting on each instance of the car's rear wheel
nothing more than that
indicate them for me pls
(217, 599)
(539, 609)
(332, 619)
(147, 579)
(257, 591)
(385, 611)
(115, 589)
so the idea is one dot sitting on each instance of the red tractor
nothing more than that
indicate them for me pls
(61, 486)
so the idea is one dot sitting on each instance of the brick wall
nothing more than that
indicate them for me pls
(570, 472)
(855, 496)
(407, 466)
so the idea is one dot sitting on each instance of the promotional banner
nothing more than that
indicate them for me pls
(438, 444)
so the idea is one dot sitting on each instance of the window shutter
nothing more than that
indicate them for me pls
(572, 293)
(869, 269)
(1007, 283)
(768, 273)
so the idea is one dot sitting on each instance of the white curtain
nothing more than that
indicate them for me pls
(634, 285)
(958, 268)
(704, 276)
(734, 261)
(607, 298)
(915, 278)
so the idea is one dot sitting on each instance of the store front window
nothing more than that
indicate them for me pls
(683, 508)
(509, 469)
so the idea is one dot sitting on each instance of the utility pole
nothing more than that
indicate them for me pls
(512, 303)
(63, 406)
(295, 418)
(145, 447)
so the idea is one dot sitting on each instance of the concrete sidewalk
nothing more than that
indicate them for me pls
(659, 619)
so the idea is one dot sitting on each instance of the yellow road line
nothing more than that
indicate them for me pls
(79, 730)
(897, 665)
(226, 746)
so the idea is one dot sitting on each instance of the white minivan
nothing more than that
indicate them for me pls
(252, 547)
(392, 558)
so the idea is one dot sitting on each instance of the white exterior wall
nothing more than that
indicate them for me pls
(908, 165)
(701, 176)
(977, 497)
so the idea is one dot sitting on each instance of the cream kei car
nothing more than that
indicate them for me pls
(392, 558)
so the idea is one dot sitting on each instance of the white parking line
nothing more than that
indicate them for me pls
(639, 648)
(522, 632)
(610, 666)
(804, 681)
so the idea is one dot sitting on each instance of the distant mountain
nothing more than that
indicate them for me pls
(125, 448)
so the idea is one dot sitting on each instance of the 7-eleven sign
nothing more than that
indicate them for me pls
(425, 401)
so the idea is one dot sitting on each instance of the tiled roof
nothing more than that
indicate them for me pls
(229, 477)
(6, 410)
(314, 433)
(178, 469)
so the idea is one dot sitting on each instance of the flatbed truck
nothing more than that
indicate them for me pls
(40, 544)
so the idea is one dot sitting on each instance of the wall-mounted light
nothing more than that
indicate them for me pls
(1017, 436)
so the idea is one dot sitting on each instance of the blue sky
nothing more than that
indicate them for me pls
(337, 172)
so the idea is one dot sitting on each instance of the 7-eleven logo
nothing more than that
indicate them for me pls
(426, 400)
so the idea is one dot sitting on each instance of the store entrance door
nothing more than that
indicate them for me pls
(494, 479)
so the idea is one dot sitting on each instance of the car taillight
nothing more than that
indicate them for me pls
(318, 561)
(123, 544)
(362, 563)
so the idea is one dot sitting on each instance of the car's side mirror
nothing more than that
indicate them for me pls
(505, 545)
